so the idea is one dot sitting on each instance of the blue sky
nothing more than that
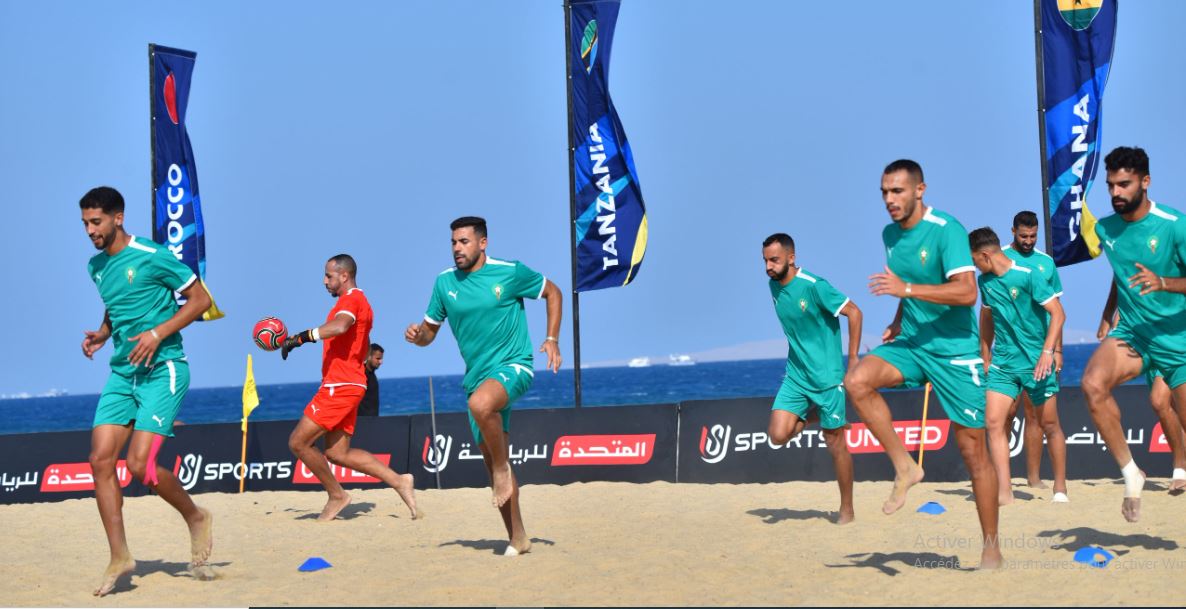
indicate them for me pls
(367, 127)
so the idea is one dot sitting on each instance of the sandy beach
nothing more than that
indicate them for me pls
(611, 544)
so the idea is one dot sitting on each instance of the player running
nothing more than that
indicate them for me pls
(808, 307)
(334, 410)
(482, 298)
(136, 279)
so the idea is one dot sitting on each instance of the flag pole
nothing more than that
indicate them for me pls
(1040, 70)
(572, 210)
(922, 443)
(432, 409)
(151, 132)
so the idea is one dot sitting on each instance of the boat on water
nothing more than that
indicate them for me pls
(680, 360)
(639, 362)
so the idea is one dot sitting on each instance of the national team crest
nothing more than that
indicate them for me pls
(1079, 13)
(131, 275)
(803, 305)
(1153, 244)
(498, 292)
(922, 255)
(1013, 292)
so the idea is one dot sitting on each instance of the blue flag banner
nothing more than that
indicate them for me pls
(1077, 41)
(611, 221)
(176, 211)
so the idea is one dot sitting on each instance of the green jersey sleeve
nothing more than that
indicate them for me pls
(830, 299)
(169, 272)
(1055, 280)
(435, 313)
(983, 293)
(957, 254)
(1180, 243)
(1041, 289)
(526, 282)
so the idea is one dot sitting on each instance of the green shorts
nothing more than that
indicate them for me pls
(1010, 383)
(799, 402)
(152, 398)
(959, 382)
(516, 380)
(1154, 359)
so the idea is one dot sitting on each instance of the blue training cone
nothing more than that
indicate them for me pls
(315, 563)
(932, 507)
(1094, 556)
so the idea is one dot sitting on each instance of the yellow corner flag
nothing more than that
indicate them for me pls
(214, 313)
(250, 396)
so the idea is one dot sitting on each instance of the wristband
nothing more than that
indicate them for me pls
(152, 331)
(1162, 282)
(551, 338)
(316, 334)
(307, 336)
(907, 290)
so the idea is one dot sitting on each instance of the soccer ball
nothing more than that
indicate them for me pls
(269, 333)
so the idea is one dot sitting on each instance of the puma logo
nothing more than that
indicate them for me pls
(1110, 244)
(159, 421)
(505, 378)
(453, 294)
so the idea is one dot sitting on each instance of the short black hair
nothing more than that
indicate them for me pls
(782, 239)
(104, 198)
(982, 238)
(1027, 219)
(345, 262)
(478, 224)
(910, 167)
(1133, 159)
(376, 347)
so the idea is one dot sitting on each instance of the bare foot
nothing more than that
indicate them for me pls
(115, 570)
(407, 491)
(515, 548)
(1036, 483)
(1005, 498)
(201, 537)
(504, 485)
(845, 516)
(333, 507)
(1177, 486)
(1131, 508)
(990, 558)
(902, 484)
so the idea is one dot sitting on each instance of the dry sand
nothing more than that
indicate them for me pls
(611, 544)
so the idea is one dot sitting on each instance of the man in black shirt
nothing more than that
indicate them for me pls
(369, 406)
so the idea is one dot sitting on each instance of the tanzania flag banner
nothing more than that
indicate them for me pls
(1077, 41)
(610, 219)
(176, 210)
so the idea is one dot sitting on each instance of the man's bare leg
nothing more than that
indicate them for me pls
(1161, 398)
(106, 443)
(198, 520)
(1113, 363)
(1033, 443)
(301, 444)
(1056, 443)
(512, 518)
(842, 461)
(338, 450)
(862, 383)
(485, 403)
(973, 448)
(1178, 402)
(996, 416)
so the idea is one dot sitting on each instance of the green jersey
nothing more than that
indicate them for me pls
(1019, 319)
(1157, 241)
(1040, 261)
(809, 308)
(931, 252)
(485, 312)
(137, 286)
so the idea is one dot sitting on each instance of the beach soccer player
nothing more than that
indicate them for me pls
(1146, 247)
(1043, 424)
(1021, 320)
(136, 279)
(809, 308)
(933, 338)
(482, 298)
(334, 409)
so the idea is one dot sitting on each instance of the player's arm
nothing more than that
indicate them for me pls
(1109, 319)
(1053, 336)
(555, 304)
(988, 333)
(1149, 281)
(334, 327)
(95, 339)
(423, 334)
(958, 290)
(855, 319)
(197, 301)
(895, 328)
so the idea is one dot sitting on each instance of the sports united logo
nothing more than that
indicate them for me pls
(589, 46)
(1079, 13)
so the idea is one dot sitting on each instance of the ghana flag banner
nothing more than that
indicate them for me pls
(609, 216)
(1077, 41)
(176, 210)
